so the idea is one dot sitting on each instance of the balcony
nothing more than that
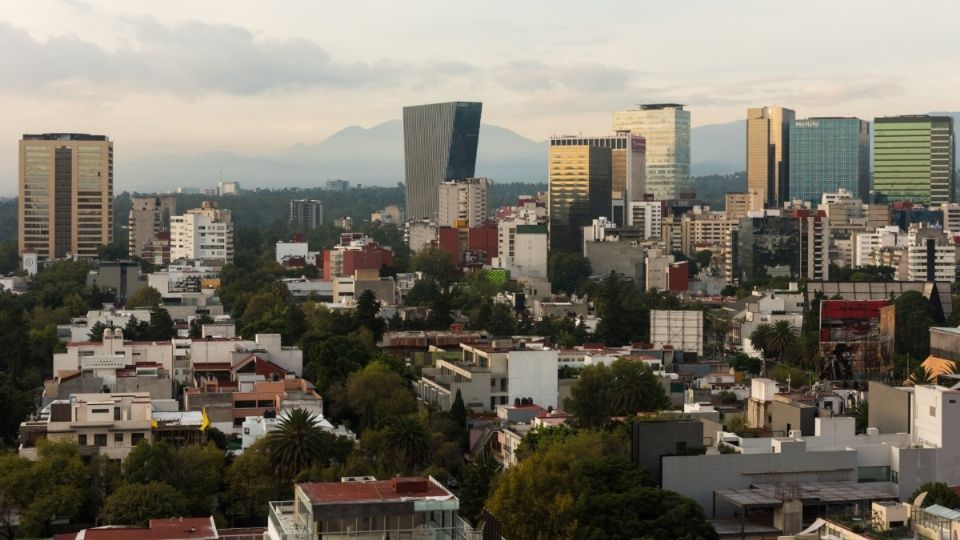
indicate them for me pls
(282, 523)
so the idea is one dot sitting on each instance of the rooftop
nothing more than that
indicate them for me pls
(158, 529)
(393, 490)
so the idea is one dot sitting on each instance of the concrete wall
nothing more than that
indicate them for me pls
(533, 374)
(787, 417)
(654, 439)
(620, 257)
(888, 408)
(698, 477)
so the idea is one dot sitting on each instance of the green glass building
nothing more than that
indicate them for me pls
(913, 159)
(829, 154)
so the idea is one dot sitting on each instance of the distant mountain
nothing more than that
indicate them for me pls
(362, 155)
(718, 148)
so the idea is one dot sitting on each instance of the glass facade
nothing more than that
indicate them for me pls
(827, 154)
(768, 247)
(666, 128)
(768, 150)
(914, 159)
(580, 187)
(440, 144)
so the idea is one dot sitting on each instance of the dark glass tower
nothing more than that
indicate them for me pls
(439, 144)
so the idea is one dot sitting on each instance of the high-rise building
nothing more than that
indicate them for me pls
(202, 234)
(439, 144)
(463, 201)
(768, 151)
(580, 189)
(66, 194)
(737, 205)
(827, 155)
(149, 216)
(306, 213)
(666, 130)
(913, 159)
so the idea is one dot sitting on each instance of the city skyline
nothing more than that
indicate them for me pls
(252, 81)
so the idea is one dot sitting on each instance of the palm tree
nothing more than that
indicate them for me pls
(760, 338)
(920, 375)
(783, 336)
(297, 443)
(409, 440)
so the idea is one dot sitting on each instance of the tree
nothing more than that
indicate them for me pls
(567, 270)
(458, 410)
(478, 477)
(782, 338)
(439, 317)
(937, 493)
(150, 462)
(502, 322)
(760, 339)
(161, 325)
(96, 331)
(145, 297)
(620, 307)
(136, 330)
(368, 314)
(437, 264)
(377, 393)
(623, 388)
(136, 504)
(914, 317)
(252, 482)
(297, 443)
(410, 442)
(747, 364)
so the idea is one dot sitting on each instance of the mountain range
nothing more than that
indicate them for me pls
(374, 156)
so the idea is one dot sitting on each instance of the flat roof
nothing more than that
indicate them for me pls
(320, 493)
(772, 495)
(158, 529)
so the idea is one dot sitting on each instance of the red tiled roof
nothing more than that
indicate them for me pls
(212, 366)
(382, 490)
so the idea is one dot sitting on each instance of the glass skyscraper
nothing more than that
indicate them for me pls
(768, 150)
(913, 159)
(666, 128)
(827, 154)
(439, 144)
(580, 186)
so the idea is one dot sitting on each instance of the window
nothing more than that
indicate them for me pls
(135, 438)
(100, 439)
(82, 440)
(118, 437)
(933, 410)
(118, 415)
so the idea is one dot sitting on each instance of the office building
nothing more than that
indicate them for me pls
(828, 155)
(646, 215)
(463, 201)
(768, 153)
(336, 185)
(930, 256)
(149, 217)
(913, 159)
(66, 194)
(580, 189)
(737, 205)
(439, 145)
(306, 213)
(666, 130)
(522, 249)
(204, 233)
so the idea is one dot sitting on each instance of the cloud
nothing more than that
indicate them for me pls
(197, 58)
(794, 90)
(534, 76)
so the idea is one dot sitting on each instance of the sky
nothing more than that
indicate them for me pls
(255, 77)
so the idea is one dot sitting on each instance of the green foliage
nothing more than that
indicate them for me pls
(937, 493)
(458, 410)
(621, 389)
(136, 504)
(746, 364)
(435, 263)
(368, 314)
(145, 297)
(299, 442)
(410, 441)
(914, 317)
(478, 478)
(860, 413)
(377, 394)
(194, 472)
(161, 325)
(423, 293)
(712, 188)
(582, 485)
(9, 256)
(567, 271)
(252, 482)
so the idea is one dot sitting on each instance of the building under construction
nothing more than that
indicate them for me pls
(856, 338)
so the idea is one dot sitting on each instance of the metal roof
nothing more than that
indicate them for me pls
(771, 495)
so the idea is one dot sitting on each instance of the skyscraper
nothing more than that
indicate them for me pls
(666, 128)
(66, 194)
(463, 201)
(202, 233)
(913, 159)
(580, 189)
(439, 144)
(827, 155)
(768, 150)
(306, 213)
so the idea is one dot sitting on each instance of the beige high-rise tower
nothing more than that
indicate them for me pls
(767, 153)
(66, 194)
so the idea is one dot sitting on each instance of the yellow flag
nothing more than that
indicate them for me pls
(206, 420)
(153, 424)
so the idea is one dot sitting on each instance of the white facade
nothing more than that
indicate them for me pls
(420, 234)
(648, 215)
(288, 250)
(533, 374)
(866, 246)
(255, 427)
(267, 346)
(202, 233)
(113, 353)
(463, 201)
(522, 249)
(682, 330)
(79, 327)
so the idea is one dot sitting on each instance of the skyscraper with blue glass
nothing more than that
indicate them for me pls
(827, 154)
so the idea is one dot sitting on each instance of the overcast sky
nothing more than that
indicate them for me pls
(254, 77)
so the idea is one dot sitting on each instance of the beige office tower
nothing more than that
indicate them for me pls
(66, 194)
(768, 150)
(666, 130)
(738, 204)
(579, 189)
(463, 201)
(149, 216)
